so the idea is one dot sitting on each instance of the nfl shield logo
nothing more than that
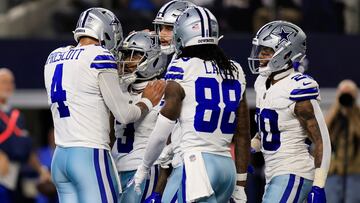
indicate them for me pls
(196, 27)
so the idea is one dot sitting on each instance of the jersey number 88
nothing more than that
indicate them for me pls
(205, 104)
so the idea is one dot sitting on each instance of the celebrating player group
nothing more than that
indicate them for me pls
(177, 103)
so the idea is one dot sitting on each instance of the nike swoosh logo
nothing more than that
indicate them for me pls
(306, 83)
(131, 181)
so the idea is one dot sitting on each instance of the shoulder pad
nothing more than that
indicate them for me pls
(177, 68)
(303, 87)
(102, 59)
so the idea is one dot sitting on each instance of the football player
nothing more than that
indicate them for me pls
(82, 84)
(141, 61)
(205, 93)
(164, 24)
(288, 113)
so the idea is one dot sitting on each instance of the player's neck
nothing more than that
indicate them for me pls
(88, 41)
(276, 77)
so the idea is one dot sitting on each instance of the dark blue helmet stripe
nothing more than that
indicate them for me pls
(202, 22)
(86, 15)
(166, 8)
(209, 21)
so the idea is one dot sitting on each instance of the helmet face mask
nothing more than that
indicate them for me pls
(100, 24)
(287, 41)
(166, 17)
(128, 63)
(196, 26)
(140, 57)
(261, 63)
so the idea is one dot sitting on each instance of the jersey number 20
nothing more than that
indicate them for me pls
(58, 95)
(269, 143)
(210, 103)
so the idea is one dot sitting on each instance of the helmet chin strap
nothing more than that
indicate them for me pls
(128, 79)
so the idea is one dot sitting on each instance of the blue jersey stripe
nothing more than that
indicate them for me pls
(173, 76)
(109, 177)
(145, 190)
(176, 69)
(183, 184)
(98, 175)
(103, 65)
(288, 189)
(299, 189)
(303, 98)
(173, 200)
(155, 177)
(104, 58)
(304, 91)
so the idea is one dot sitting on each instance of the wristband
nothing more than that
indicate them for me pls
(241, 176)
(147, 102)
(320, 177)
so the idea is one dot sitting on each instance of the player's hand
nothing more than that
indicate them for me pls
(154, 91)
(140, 176)
(166, 156)
(44, 175)
(255, 143)
(4, 164)
(239, 195)
(316, 195)
(155, 197)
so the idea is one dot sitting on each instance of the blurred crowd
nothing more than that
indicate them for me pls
(336, 16)
(332, 16)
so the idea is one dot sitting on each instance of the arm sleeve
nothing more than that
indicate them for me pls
(325, 161)
(321, 173)
(117, 100)
(157, 140)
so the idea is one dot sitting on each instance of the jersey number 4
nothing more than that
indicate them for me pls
(58, 95)
(207, 93)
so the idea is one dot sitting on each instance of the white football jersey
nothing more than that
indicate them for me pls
(131, 139)
(283, 140)
(81, 118)
(207, 118)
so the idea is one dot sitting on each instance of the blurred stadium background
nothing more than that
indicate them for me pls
(31, 29)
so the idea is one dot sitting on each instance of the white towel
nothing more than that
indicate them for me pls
(10, 180)
(197, 180)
